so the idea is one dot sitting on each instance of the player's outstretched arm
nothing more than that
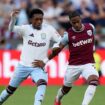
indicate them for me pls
(14, 14)
(55, 51)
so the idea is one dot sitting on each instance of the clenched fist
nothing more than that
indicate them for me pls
(15, 12)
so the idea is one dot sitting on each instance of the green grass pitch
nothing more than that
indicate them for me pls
(25, 96)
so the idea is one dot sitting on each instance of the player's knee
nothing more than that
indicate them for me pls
(65, 89)
(41, 82)
(93, 80)
(11, 89)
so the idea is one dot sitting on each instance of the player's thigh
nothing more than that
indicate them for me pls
(20, 74)
(39, 74)
(71, 75)
(89, 70)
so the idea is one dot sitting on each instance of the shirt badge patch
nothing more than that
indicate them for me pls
(43, 35)
(89, 32)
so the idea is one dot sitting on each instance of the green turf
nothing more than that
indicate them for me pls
(25, 96)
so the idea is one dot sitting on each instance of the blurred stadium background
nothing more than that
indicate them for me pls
(55, 13)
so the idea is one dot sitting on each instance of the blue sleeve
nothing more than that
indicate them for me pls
(64, 39)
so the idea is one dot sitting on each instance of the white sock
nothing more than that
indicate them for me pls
(89, 94)
(59, 95)
(40, 94)
(4, 95)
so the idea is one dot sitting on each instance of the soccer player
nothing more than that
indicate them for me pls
(80, 39)
(36, 41)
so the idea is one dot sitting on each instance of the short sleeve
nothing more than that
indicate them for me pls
(64, 39)
(55, 35)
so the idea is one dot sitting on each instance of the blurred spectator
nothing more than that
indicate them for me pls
(30, 4)
(22, 16)
(49, 11)
(6, 6)
(5, 33)
(99, 11)
(97, 63)
(55, 13)
(85, 12)
(77, 3)
(102, 41)
(63, 18)
(5, 45)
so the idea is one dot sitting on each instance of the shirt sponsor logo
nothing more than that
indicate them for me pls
(82, 42)
(36, 44)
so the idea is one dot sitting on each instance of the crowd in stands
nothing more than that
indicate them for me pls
(55, 13)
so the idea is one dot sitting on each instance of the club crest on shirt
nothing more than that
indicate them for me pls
(43, 35)
(89, 32)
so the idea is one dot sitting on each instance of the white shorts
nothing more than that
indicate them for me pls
(73, 73)
(22, 72)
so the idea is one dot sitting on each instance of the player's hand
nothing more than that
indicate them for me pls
(38, 63)
(15, 12)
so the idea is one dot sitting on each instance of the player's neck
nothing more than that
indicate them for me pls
(37, 28)
(82, 28)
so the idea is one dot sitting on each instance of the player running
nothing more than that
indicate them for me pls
(36, 41)
(80, 39)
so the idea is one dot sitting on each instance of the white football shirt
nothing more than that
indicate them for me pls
(35, 42)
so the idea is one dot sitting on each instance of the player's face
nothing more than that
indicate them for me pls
(76, 23)
(37, 20)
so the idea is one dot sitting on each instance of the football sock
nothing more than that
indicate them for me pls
(59, 95)
(89, 94)
(40, 94)
(4, 96)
